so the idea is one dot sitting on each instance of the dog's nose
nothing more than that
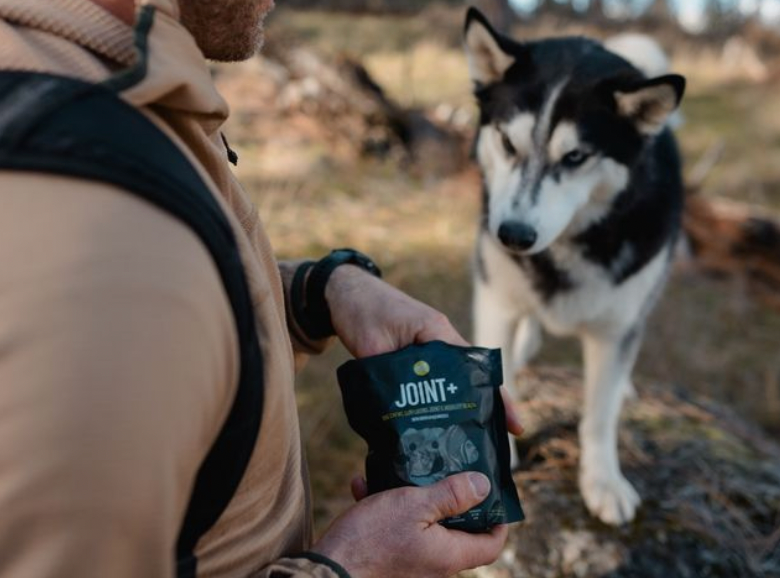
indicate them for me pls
(516, 235)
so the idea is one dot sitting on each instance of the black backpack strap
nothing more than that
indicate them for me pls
(58, 125)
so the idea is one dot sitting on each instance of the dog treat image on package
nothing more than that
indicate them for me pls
(429, 411)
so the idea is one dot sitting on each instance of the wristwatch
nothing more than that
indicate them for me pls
(310, 308)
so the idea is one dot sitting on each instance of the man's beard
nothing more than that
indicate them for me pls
(226, 30)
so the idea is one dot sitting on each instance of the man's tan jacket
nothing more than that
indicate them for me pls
(118, 354)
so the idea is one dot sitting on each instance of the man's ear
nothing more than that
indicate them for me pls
(650, 103)
(488, 61)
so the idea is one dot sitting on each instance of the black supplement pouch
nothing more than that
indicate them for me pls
(429, 411)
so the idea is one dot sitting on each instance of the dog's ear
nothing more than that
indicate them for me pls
(650, 102)
(488, 61)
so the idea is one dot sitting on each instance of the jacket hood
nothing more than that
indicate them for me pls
(176, 76)
(158, 54)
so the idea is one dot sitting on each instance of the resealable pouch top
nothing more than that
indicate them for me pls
(429, 411)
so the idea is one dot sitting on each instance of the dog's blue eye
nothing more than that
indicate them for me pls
(574, 158)
(508, 146)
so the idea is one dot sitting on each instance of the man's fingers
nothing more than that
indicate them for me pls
(513, 424)
(359, 488)
(472, 550)
(454, 495)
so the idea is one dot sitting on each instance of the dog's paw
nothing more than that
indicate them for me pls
(629, 393)
(611, 498)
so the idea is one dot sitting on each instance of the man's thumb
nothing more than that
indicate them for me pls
(457, 494)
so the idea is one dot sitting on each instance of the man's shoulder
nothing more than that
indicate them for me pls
(81, 223)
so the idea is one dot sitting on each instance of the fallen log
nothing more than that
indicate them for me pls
(730, 238)
(349, 104)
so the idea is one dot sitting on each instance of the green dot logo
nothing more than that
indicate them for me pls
(421, 368)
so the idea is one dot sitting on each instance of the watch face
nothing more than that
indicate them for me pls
(371, 267)
(357, 258)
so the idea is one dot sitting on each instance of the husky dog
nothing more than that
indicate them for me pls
(582, 202)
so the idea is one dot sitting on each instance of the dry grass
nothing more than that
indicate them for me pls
(707, 334)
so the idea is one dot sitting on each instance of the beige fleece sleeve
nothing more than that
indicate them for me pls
(118, 364)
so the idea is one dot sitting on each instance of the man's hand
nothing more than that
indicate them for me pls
(372, 317)
(396, 534)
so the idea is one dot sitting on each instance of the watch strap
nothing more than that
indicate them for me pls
(310, 307)
(298, 295)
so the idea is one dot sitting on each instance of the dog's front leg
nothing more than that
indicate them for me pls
(527, 342)
(608, 364)
(495, 322)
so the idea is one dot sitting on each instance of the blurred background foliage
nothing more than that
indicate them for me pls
(354, 129)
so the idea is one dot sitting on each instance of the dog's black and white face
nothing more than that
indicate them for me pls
(562, 124)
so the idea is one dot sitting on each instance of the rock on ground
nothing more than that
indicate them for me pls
(710, 482)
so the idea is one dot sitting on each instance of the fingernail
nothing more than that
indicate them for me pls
(480, 484)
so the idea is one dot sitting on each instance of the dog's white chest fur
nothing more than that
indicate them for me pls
(593, 304)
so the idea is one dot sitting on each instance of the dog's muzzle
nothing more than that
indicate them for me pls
(516, 235)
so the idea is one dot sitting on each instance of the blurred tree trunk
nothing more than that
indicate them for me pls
(723, 19)
(562, 10)
(595, 11)
(662, 11)
(499, 12)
